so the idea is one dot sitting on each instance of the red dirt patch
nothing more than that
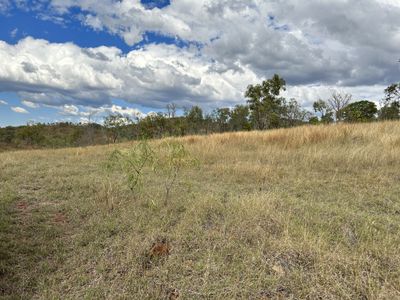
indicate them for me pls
(157, 252)
(160, 248)
(22, 205)
(59, 218)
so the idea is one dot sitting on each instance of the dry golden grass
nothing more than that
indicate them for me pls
(302, 213)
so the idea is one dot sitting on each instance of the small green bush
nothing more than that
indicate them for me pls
(170, 159)
(166, 160)
(132, 163)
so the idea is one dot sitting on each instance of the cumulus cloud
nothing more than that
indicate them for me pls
(58, 74)
(19, 110)
(129, 19)
(30, 104)
(116, 109)
(318, 46)
(84, 120)
(86, 114)
(69, 110)
(345, 43)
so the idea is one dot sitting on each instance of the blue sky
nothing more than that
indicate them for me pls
(71, 60)
(19, 23)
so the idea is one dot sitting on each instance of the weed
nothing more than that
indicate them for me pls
(171, 158)
(166, 161)
(132, 163)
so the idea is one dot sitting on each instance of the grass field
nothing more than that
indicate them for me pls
(303, 213)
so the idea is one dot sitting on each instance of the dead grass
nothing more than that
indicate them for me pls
(303, 213)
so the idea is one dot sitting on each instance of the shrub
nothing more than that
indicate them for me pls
(170, 159)
(132, 163)
(167, 160)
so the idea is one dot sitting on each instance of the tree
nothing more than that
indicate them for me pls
(391, 103)
(392, 93)
(322, 108)
(171, 110)
(209, 122)
(114, 124)
(31, 134)
(313, 120)
(7, 134)
(222, 116)
(361, 111)
(194, 117)
(153, 125)
(264, 102)
(240, 118)
(294, 114)
(390, 111)
(337, 102)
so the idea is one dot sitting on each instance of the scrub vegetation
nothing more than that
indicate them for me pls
(265, 109)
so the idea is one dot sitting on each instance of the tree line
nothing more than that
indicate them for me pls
(265, 108)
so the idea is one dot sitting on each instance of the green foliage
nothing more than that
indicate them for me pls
(51, 135)
(7, 135)
(390, 111)
(313, 121)
(264, 102)
(153, 125)
(391, 103)
(166, 161)
(222, 116)
(132, 163)
(170, 158)
(114, 124)
(392, 93)
(194, 118)
(31, 135)
(240, 118)
(324, 110)
(361, 111)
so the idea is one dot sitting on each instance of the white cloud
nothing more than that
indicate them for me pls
(30, 104)
(84, 120)
(307, 94)
(69, 110)
(19, 110)
(307, 42)
(92, 113)
(129, 19)
(13, 33)
(3, 102)
(316, 45)
(59, 74)
(125, 111)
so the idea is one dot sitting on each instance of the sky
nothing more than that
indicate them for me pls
(79, 60)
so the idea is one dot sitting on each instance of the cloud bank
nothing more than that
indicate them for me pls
(58, 74)
(316, 45)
